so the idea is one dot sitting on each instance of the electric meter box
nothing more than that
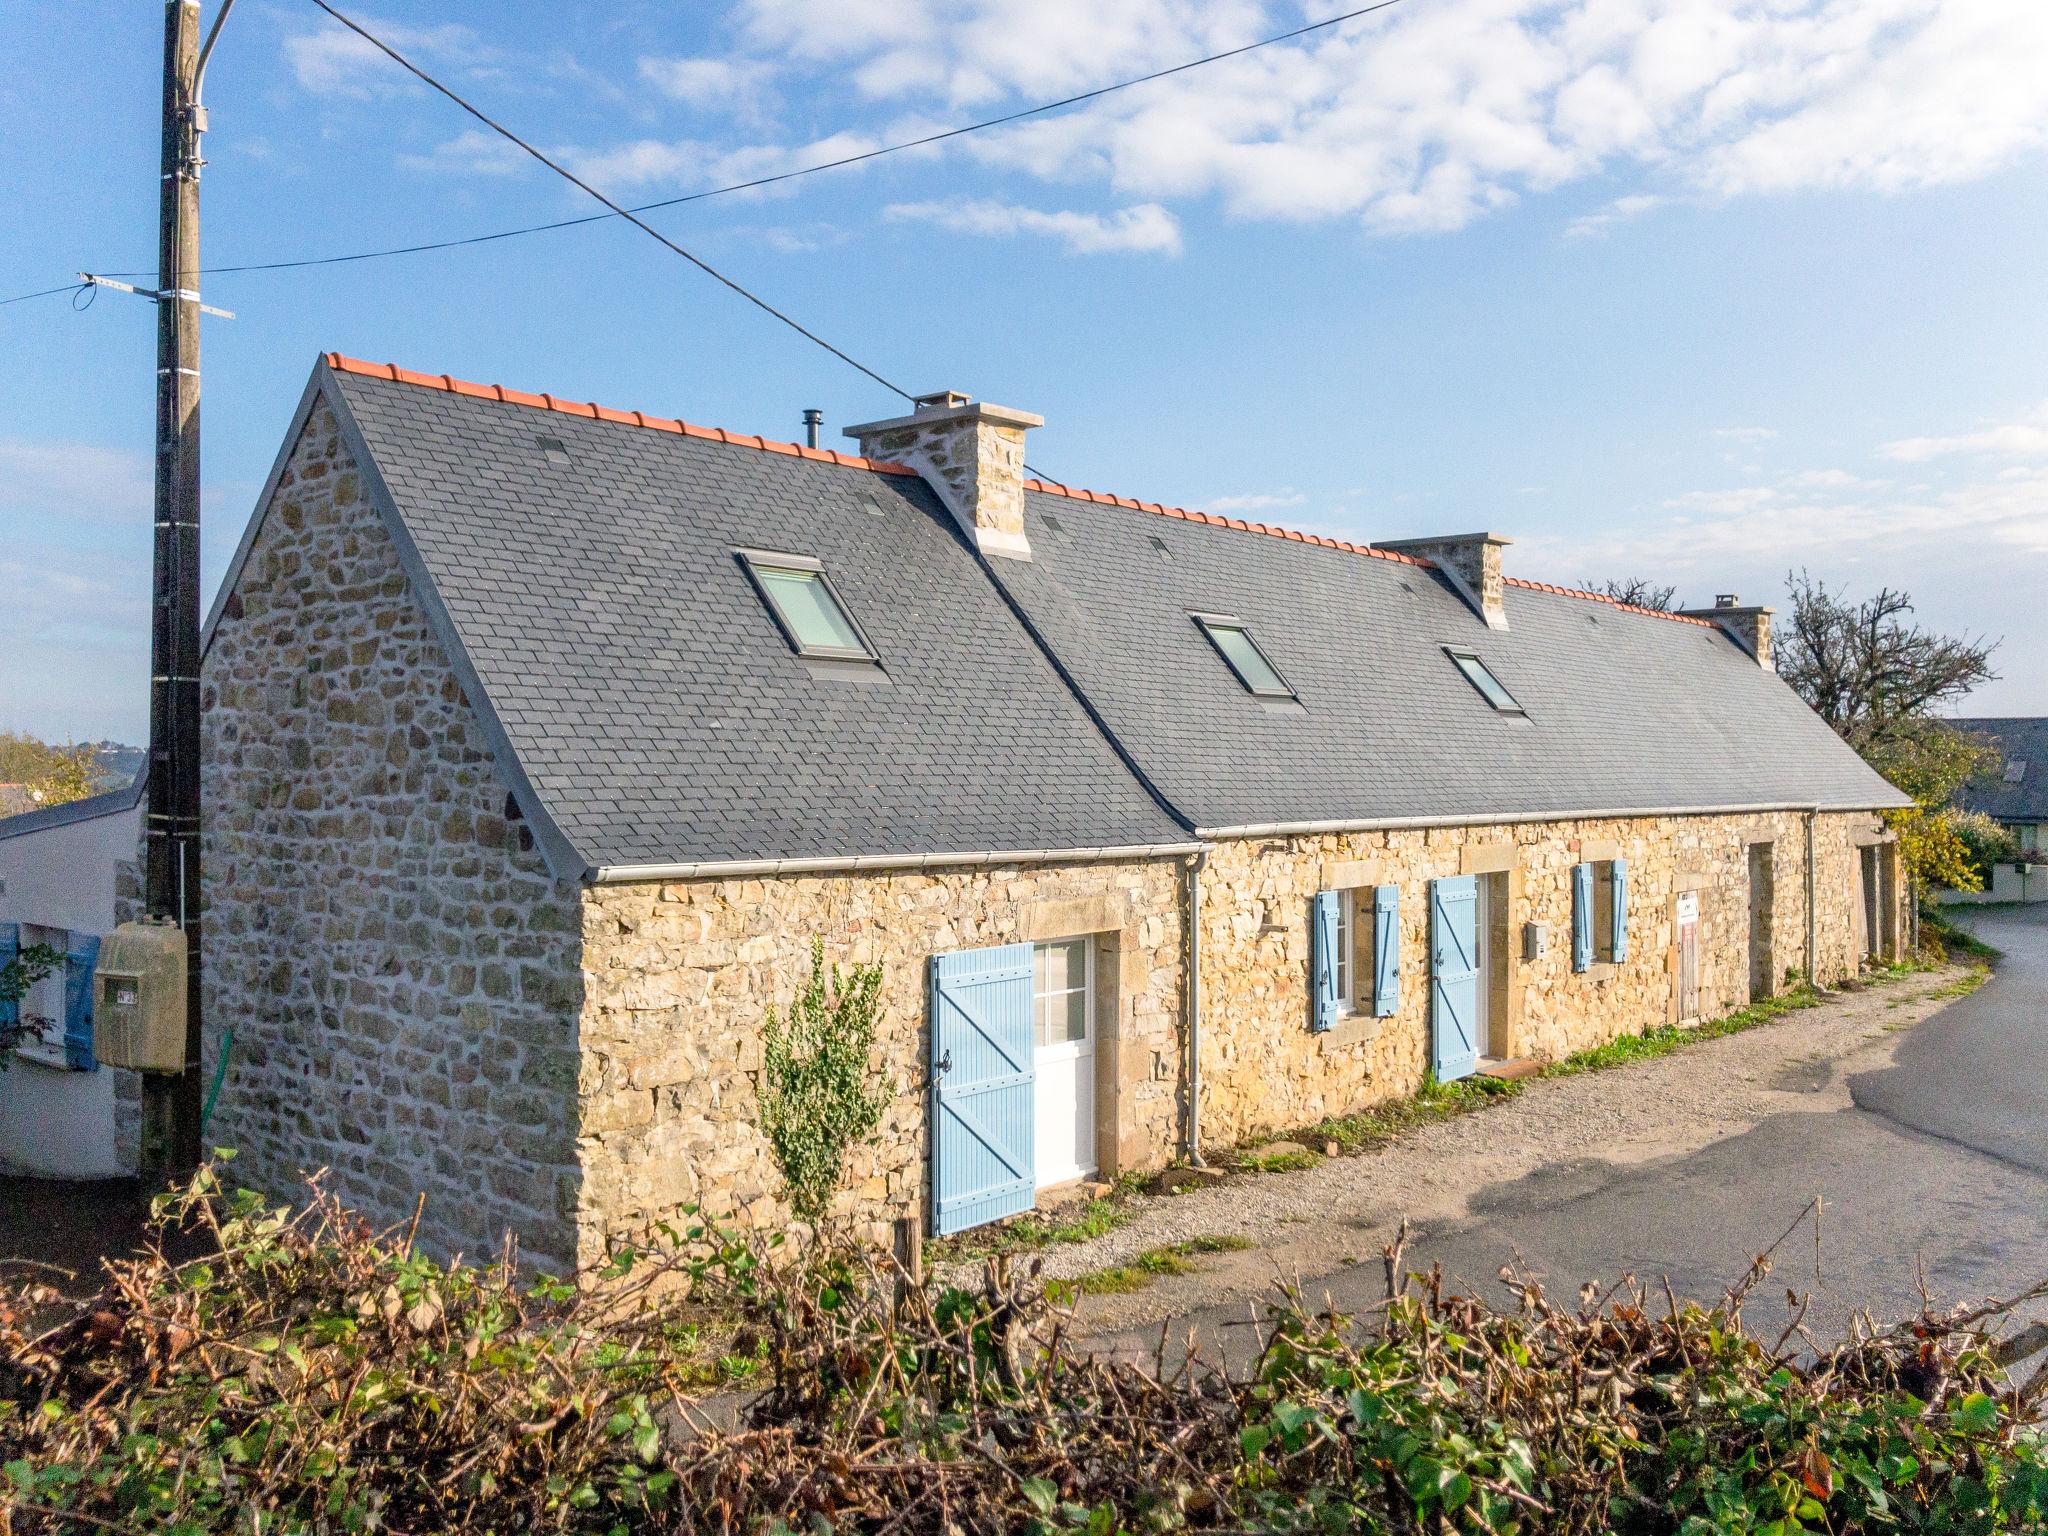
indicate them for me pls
(138, 1014)
(1535, 940)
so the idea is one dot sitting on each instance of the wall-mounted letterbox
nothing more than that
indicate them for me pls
(138, 1016)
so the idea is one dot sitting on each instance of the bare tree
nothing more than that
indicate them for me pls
(1878, 679)
(1866, 670)
(1637, 593)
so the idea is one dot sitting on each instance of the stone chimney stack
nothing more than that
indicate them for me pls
(1472, 562)
(972, 453)
(1750, 627)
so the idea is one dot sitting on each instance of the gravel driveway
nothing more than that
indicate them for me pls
(1311, 1223)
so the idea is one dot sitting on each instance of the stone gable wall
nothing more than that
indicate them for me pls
(397, 966)
(1264, 1069)
(679, 978)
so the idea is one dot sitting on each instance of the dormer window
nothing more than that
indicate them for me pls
(806, 606)
(1489, 686)
(1237, 647)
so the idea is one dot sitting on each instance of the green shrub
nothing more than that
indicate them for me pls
(310, 1377)
(818, 1094)
(1985, 843)
(18, 977)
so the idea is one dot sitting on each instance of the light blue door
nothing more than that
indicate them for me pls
(982, 1081)
(1454, 977)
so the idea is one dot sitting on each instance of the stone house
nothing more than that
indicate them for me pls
(542, 738)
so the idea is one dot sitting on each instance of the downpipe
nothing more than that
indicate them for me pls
(1812, 890)
(1191, 920)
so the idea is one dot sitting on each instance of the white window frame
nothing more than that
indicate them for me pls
(1086, 988)
(1602, 916)
(45, 1000)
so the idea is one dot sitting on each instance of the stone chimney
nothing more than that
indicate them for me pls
(972, 454)
(1750, 627)
(1471, 561)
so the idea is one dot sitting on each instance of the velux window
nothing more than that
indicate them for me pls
(1235, 644)
(1488, 685)
(806, 606)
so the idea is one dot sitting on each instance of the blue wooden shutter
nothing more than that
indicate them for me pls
(1386, 949)
(10, 951)
(1322, 948)
(78, 968)
(1618, 890)
(1582, 917)
(1454, 977)
(982, 1075)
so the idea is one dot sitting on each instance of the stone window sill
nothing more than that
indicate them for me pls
(1353, 1029)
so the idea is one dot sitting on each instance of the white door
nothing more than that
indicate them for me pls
(1063, 1042)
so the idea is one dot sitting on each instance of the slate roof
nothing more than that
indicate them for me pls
(1626, 710)
(649, 712)
(2022, 740)
(106, 803)
(649, 699)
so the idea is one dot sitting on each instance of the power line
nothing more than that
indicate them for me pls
(573, 179)
(43, 293)
(808, 170)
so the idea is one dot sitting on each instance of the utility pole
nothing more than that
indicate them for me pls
(171, 1103)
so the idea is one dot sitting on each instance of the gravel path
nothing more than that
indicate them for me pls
(1310, 1223)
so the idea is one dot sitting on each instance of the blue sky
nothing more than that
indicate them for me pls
(1693, 290)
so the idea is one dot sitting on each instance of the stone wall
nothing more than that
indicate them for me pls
(1264, 1069)
(397, 967)
(679, 977)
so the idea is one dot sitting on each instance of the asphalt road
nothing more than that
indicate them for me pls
(1938, 1176)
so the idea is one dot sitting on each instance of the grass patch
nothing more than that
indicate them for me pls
(1279, 1162)
(1070, 1224)
(1152, 1264)
(1666, 1038)
(1962, 986)
(1379, 1125)
(1952, 937)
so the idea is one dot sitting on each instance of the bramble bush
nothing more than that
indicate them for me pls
(311, 1376)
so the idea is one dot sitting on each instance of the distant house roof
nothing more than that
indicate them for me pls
(584, 568)
(113, 801)
(2017, 788)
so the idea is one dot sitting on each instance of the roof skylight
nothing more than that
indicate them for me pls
(1237, 647)
(806, 606)
(1488, 685)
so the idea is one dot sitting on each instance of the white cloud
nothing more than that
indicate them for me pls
(1256, 501)
(722, 85)
(75, 481)
(1621, 211)
(1147, 227)
(475, 152)
(333, 61)
(641, 163)
(2026, 436)
(1426, 117)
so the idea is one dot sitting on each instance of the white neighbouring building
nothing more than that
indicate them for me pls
(67, 876)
